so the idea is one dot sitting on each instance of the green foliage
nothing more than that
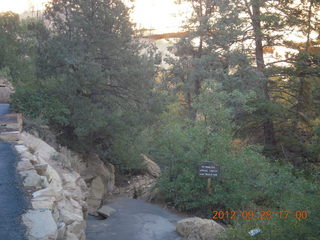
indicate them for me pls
(42, 103)
(94, 86)
(248, 180)
(16, 48)
(302, 196)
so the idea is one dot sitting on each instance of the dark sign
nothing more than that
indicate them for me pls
(208, 169)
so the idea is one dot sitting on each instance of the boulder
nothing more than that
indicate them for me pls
(77, 228)
(152, 168)
(106, 211)
(10, 127)
(32, 179)
(41, 168)
(6, 89)
(43, 203)
(5, 93)
(24, 165)
(41, 225)
(61, 230)
(198, 229)
(100, 180)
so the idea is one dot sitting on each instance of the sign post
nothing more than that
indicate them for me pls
(208, 170)
(209, 185)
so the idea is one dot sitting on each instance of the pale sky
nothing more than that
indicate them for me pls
(162, 15)
(19, 6)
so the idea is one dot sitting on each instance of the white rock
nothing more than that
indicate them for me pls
(43, 203)
(32, 179)
(106, 211)
(47, 192)
(100, 180)
(152, 168)
(64, 192)
(44, 182)
(41, 225)
(70, 217)
(27, 155)
(71, 236)
(76, 227)
(41, 169)
(41, 148)
(198, 228)
(24, 165)
(61, 230)
(21, 148)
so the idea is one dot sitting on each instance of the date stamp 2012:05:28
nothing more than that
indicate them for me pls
(262, 214)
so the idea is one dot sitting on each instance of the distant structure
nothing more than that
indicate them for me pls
(166, 35)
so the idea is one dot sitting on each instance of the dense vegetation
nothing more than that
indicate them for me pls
(231, 96)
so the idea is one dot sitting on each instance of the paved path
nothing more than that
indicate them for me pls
(134, 220)
(12, 202)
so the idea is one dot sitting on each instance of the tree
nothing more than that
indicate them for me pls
(16, 51)
(213, 49)
(91, 63)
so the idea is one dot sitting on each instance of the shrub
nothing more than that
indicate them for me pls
(44, 104)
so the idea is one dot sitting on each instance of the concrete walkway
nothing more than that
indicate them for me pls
(12, 202)
(134, 220)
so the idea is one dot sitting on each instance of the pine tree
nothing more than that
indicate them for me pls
(95, 66)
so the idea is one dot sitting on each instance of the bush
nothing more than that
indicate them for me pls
(247, 181)
(43, 104)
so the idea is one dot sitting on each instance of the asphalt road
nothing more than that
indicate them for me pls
(12, 201)
(134, 220)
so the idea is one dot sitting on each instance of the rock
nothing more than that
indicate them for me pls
(32, 179)
(24, 165)
(46, 198)
(141, 187)
(44, 182)
(71, 236)
(97, 188)
(10, 127)
(40, 148)
(11, 136)
(96, 194)
(100, 180)
(76, 227)
(198, 229)
(25, 154)
(75, 186)
(70, 211)
(106, 211)
(5, 94)
(152, 168)
(46, 192)
(43, 203)
(41, 225)
(69, 217)
(21, 148)
(41, 168)
(61, 230)
(64, 192)
(6, 89)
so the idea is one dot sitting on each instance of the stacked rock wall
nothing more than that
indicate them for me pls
(98, 176)
(58, 193)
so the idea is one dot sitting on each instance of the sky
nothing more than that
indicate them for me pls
(162, 15)
(19, 6)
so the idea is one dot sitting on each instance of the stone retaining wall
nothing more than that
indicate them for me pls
(58, 193)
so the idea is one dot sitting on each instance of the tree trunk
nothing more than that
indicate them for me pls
(268, 128)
